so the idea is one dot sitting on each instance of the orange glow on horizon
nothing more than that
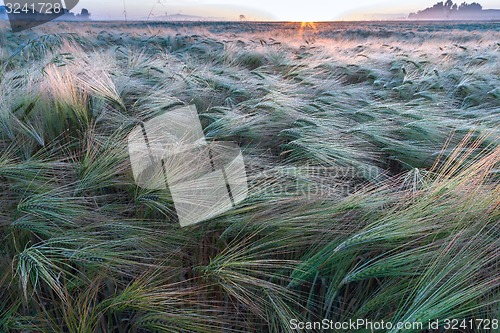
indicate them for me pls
(306, 26)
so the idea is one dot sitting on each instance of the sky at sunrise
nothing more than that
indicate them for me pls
(283, 10)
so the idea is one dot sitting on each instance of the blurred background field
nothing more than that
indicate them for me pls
(371, 151)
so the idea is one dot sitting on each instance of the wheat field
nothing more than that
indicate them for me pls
(372, 157)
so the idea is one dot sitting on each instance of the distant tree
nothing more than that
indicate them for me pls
(448, 10)
(472, 7)
(68, 15)
(242, 18)
(439, 5)
(435, 12)
(84, 14)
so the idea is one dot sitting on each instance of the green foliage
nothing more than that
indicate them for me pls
(372, 159)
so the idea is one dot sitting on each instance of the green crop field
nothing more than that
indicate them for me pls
(372, 156)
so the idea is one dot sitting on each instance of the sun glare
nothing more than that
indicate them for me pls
(306, 27)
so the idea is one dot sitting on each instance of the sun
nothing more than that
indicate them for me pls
(305, 25)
